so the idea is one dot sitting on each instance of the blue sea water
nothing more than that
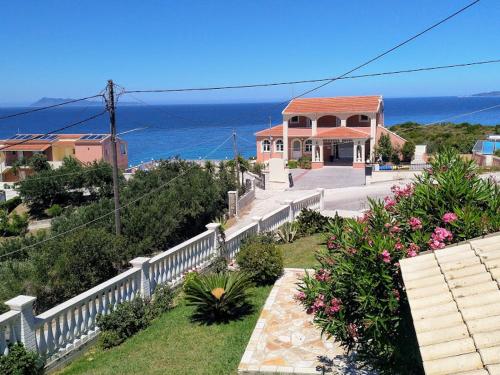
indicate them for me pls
(199, 130)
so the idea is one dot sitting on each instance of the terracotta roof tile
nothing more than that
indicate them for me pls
(331, 105)
(341, 133)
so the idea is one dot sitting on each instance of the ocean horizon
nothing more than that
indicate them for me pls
(197, 131)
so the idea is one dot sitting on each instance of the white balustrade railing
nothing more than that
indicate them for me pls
(275, 219)
(73, 322)
(234, 240)
(9, 330)
(67, 326)
(171, 265)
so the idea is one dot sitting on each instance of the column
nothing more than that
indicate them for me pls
(143, 264)
(258, 221)
(289, 203)
(285, 140)
(321, 150)
(214, 227)
(363, 159)
(24, 304)
(373, 134)
(354, 156)
(314, 127)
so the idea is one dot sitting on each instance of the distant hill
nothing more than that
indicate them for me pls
(44, 102)
(491, 93)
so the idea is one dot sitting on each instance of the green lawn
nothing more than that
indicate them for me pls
(175, 345)
(300, 254)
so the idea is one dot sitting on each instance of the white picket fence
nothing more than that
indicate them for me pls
(66, 327)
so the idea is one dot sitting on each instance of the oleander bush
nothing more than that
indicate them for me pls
(356, 294)
(219, 297)
(161, 301)
(20, 361)
(261, 259)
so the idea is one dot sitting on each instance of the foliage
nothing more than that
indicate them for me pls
(219, 297)
(161, 301)
(384, 148)
(356, 294)
(10, 204)
(39, 163)
(13, 224)
(497, 153)
(292, 164)
(304, 162)
(310, 222)
(125, 320)
(257, 168)
(66, 185)
(54, 210)
(438, 137)
(20, 361)
(407, 151)
(287, 232)
(260, 258)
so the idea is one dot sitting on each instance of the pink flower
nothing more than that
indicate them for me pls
(332, 243)
(395, 229)
(449, 217)
(322, 275)
(334, 306)
(386, 256)
(436, 245)
(401, 192)
(300, 296)
(319, 303)
(352, 251)
(387, 225)
(398, 246)
(441, 234)
(413, 250)
(389, 203)
(415, 223)
(395, 293)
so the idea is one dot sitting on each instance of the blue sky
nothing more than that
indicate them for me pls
(70, 48)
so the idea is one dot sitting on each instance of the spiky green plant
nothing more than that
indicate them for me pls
(219, 297)
(287, 232)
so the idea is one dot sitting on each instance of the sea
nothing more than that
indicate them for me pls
(205, 131)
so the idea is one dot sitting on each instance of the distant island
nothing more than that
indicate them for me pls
(491, 93)
(45, 102)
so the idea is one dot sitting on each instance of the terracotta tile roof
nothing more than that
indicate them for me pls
(341, 133)
(454, 298)
(275, 131)
(331, 105)
(27, 147)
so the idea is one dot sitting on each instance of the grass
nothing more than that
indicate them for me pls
(300, 254)
(173, 344)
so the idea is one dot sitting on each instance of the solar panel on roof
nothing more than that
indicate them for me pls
(49, 137)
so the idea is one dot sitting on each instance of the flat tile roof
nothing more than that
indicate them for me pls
(454, 298)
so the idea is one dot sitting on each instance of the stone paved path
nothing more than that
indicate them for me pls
(285, 341)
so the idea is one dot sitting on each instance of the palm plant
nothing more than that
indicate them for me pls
(287, 232)
(219, 297)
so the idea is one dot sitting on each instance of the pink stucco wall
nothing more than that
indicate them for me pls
(88, 153)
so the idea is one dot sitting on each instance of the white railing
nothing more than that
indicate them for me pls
(67, 326)
(9, 330)
(171, 265)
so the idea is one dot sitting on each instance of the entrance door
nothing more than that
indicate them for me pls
(296, 149)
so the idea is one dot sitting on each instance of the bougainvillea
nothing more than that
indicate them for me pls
(356, 294)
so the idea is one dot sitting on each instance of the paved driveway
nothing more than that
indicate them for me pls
(327, 178)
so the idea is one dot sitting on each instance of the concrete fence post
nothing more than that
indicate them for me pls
(215, 228)
(232, 199)
(24, 304)
(321, 191)
(258, 220)
(289, 203)
(142, 263)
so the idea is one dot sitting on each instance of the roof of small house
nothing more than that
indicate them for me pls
(454, 298)
(339, 104)
(37, 142)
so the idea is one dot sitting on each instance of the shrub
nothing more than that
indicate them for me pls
(292, 164)
(261, 258)
(287, 232)
(310, 222)
(219, 297)
(124, 321)
(305, 162)
(356, 294)
(218, 264)
(20, 361)
(407, 151)
(54, 210)
(10, 204)
(161, 301)
(13, 224)
(497, 153)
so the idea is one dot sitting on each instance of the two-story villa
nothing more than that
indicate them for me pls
(86, 148)
(331, 131)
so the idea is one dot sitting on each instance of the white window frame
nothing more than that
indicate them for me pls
(309, 143)
(276, 145)
(266, 142)
(364, 120)
(296, 121)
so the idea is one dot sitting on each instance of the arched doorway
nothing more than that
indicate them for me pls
(296, 149)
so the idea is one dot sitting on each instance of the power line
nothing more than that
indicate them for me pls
(462, 115)
(244, 86)
(119, 208)
(50, 106)
(389, 50)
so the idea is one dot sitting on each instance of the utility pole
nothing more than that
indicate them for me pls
(236, 164)
(114, 156)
